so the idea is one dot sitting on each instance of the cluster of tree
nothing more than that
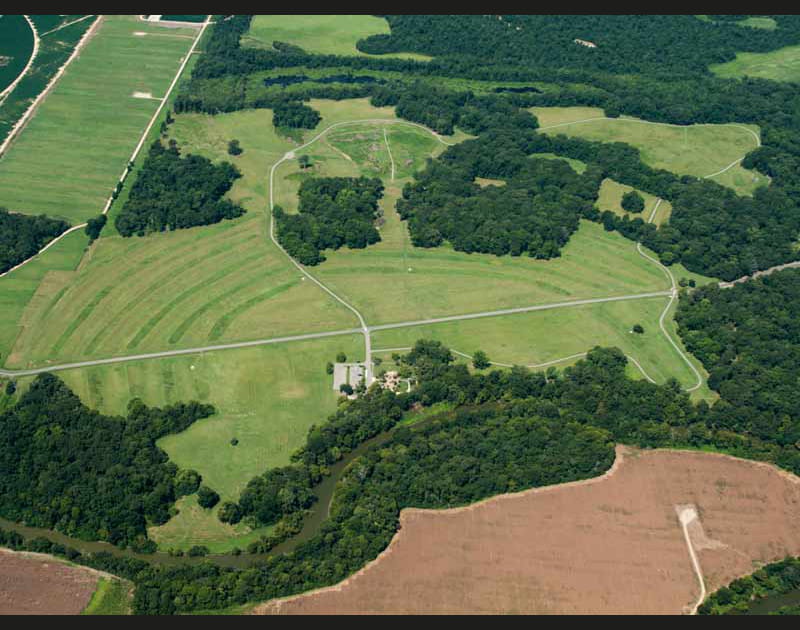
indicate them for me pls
(295, 115)
(68, 468)
(535, 212)
(740, 596)
(333, 212)
(173, 192)
(748, 338)
(22, 235)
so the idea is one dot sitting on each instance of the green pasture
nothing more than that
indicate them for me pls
(779, 65)
(67, 160)
(537, 338)
(19, 287)
(318, 34)
(699, 150)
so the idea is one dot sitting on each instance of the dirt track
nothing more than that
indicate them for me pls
(31, 584)
(611, 545)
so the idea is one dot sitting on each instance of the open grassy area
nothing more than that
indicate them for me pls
(610, 198)
(779, 65)
(266, 397)
(540, 337)
(699, 150)
(67, 161)
(185, 288)
(320, 34)
(112, 597)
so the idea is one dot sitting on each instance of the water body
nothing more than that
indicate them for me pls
(517, 90)
(293, 79)
(771, 604)
(16, 47)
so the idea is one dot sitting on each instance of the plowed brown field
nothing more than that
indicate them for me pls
(31, 584)
(613, 544)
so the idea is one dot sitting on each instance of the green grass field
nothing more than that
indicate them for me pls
(536, 338)
(779, 65)
(68, 159)
(319, 34)
(112, 597)
(698, 150)
(267, 397)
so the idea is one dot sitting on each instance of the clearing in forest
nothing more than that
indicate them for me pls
(318, 34)
(266, 398)
(699, 150)
(610, 545)
(778, 65)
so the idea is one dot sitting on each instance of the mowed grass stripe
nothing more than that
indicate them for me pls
(84, 314)
(185, 295)
(222, 324)
(159, 282)
(187, 323)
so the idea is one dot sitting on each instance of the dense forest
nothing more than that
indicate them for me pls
(333, 212)
(173, 192)
(624, 43)
(68, 468)
(22, 235)
(748, 338)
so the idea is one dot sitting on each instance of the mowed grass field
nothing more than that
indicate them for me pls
(779, 65)
(186, 288)
(267, 397)
(319, 34)
(537, 338)
(19, 287)
(66, 162)
(699, 150)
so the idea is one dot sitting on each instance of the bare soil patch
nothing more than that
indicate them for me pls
(32, 584)
(609, 545)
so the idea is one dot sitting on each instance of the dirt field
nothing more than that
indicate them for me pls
(609, 545)
(32, 584)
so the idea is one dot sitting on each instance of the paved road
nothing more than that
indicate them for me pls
(320, 335)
